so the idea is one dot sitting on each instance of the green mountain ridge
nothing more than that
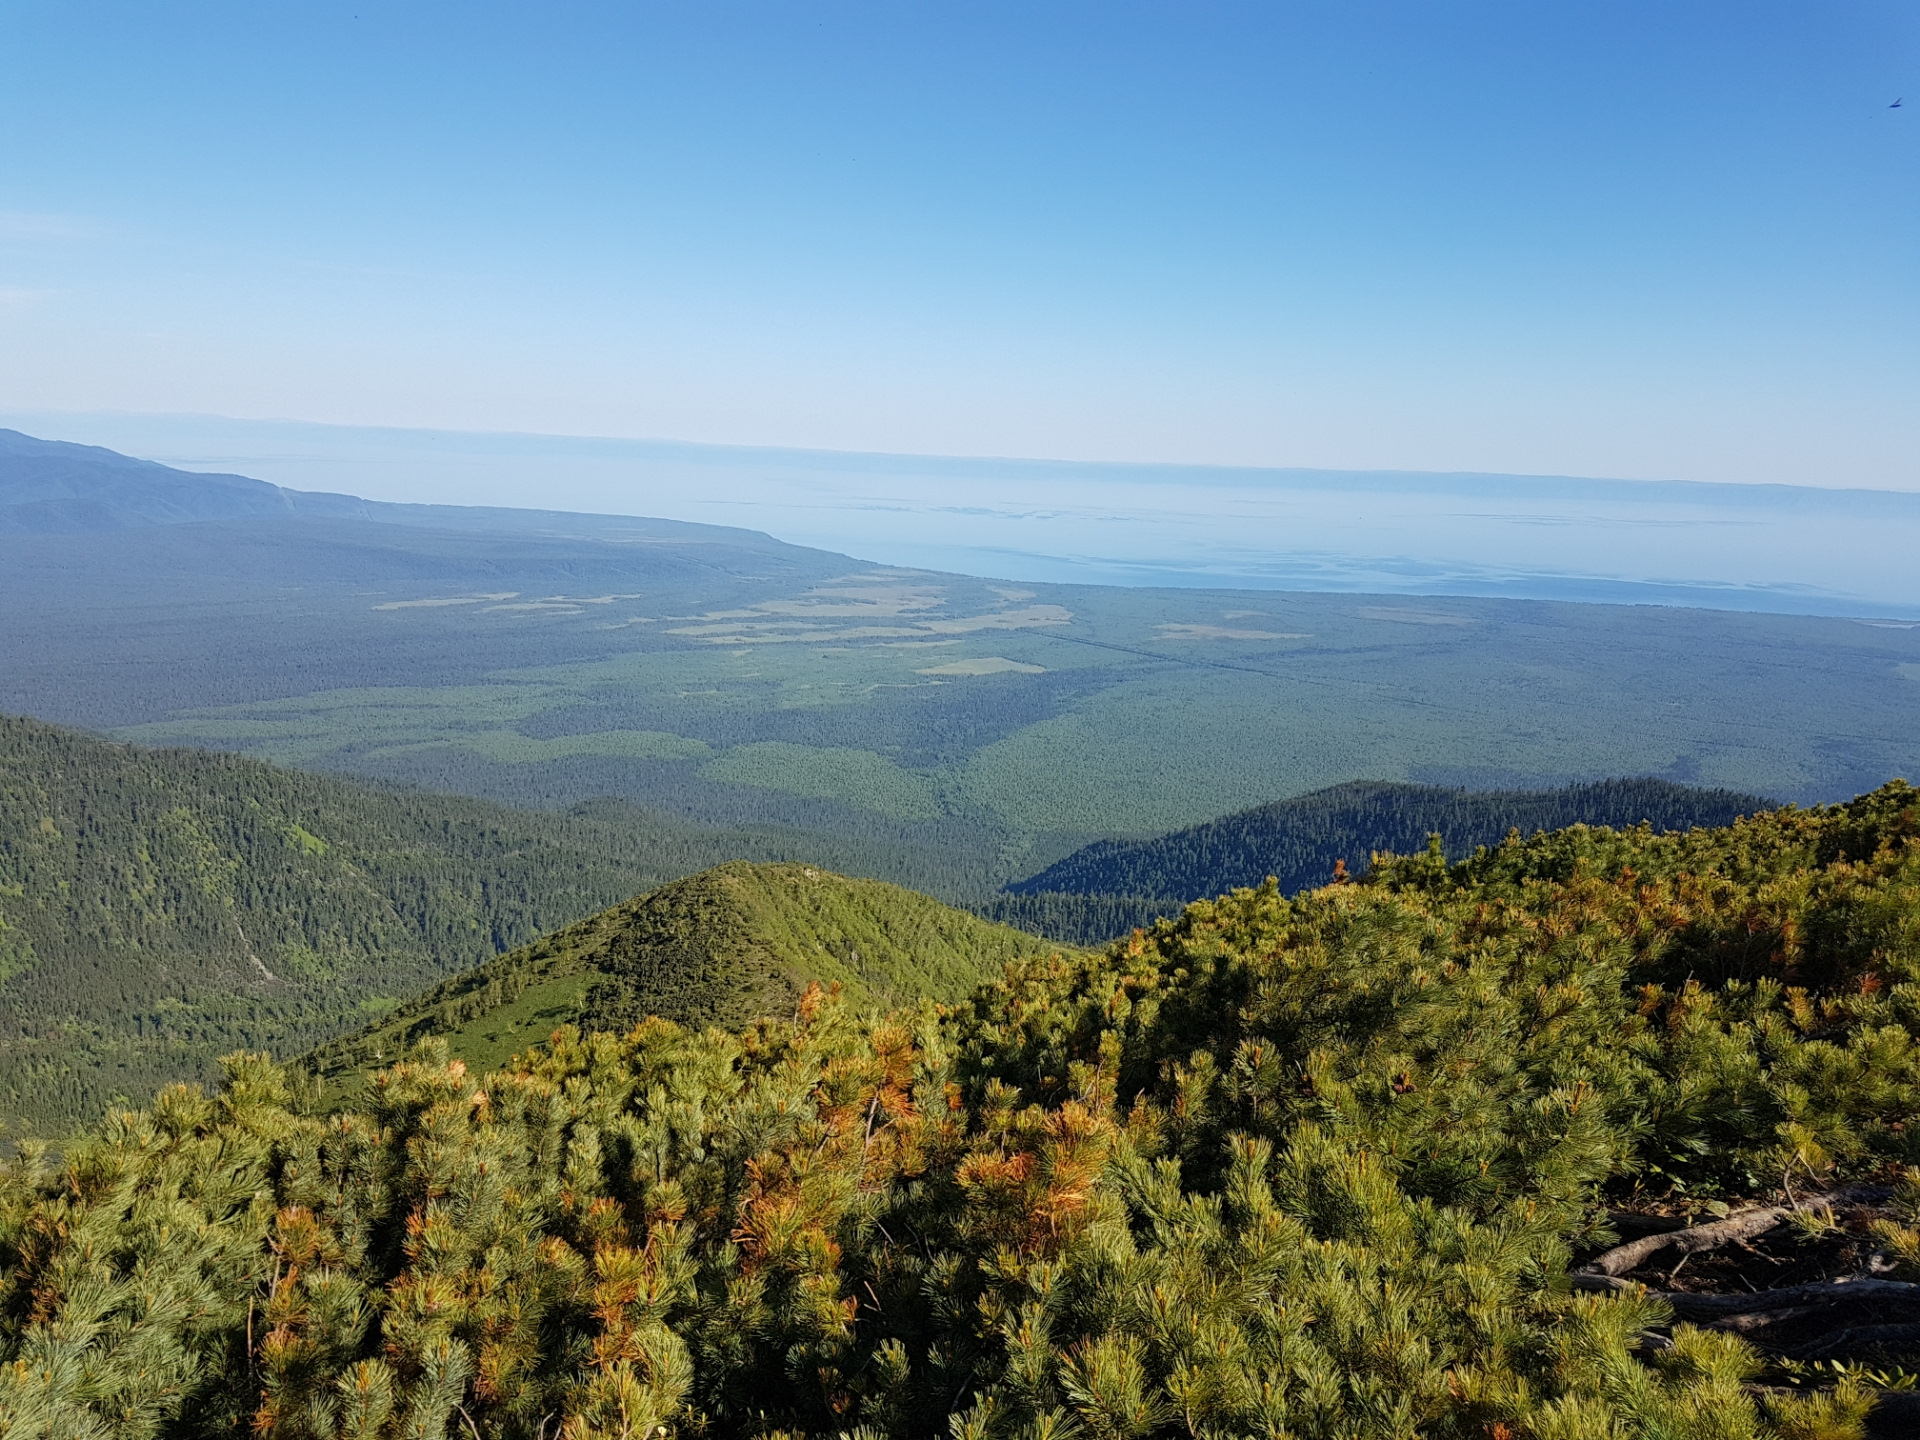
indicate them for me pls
(719, 948)
(161, 907)
(1110, 886)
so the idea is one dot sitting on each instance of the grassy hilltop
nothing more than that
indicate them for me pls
(1598, 1135)
(717, 948)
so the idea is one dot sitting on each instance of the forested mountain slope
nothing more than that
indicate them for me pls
(1346, 1165)
(1110, 886)
(717, 948)
(161, 907)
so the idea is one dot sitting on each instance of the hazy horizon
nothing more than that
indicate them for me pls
(1713, 544)
(1645, 241)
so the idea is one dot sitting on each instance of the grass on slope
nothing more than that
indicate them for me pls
(718, 948)
(1107, 888)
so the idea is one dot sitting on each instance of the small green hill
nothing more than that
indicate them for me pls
(718, 948)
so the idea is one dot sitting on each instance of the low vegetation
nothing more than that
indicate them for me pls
(1357, 1163)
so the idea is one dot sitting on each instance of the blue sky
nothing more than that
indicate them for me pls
(1661, 240)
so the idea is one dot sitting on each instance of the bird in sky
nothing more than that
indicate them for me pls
(1898, 103)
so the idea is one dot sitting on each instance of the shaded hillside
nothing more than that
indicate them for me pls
(1299, 842)
(718, 948)
(161, 907)
(1599, 1135)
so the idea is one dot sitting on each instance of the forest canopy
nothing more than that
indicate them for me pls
(1408, 1155)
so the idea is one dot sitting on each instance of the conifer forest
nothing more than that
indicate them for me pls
(1593, 1133)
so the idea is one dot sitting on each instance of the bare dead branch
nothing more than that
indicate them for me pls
(1635, 1253)
(1747, 1224)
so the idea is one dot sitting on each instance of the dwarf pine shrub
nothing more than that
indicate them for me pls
(1313, 1168)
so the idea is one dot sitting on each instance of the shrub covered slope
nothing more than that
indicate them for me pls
(1343, 1165)
(1106, 888)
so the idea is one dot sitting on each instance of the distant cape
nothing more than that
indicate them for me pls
(50, 487)
(53, 487)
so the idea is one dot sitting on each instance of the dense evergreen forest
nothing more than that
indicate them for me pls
(1076, 919)
(159, 908)
(1596, 1135)
(1110, 886)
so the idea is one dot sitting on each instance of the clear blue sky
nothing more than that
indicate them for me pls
(1662, 240)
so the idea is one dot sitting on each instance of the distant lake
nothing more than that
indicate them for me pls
(1758, 547)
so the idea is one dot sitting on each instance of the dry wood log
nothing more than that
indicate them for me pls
(1755, 1324)
(1755, 1314)
(1688, 1306)
(1748, 1223)
(1631, 1225)
(1635, 1253)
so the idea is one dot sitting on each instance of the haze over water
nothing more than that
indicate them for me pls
(1764, 547)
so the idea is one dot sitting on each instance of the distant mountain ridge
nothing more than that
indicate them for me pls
(50, 487)
(54, 487)
(1120, 883)
(963, 733)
